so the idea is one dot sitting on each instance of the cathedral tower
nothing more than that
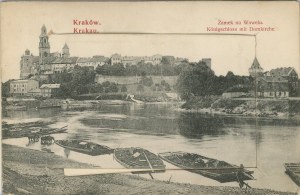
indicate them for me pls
(44, 46)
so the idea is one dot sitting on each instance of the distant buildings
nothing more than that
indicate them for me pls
(50, 90)
(30, 87)
(279, 82)
(48, 63)
(134, 60)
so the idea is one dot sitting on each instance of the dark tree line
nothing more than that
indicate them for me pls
(197, 79)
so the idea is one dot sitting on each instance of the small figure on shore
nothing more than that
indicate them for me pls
(33, 138)
(47, 140)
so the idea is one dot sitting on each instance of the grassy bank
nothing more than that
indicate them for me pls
(28, 171)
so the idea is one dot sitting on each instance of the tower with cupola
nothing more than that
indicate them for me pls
(44, 46)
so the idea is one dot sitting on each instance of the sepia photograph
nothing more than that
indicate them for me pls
(150, 97)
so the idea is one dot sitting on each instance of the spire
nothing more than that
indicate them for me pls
(255, 64)
(65, 46)
(43, 31)
(27, 52)
(255, 69)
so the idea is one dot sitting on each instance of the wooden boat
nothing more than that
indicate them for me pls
(293, 170)
(139, 158)
(84, 147)
(208, 167)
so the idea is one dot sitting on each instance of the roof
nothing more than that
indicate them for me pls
(22, 80)
(71, 60)
(272, 79)
(115, 55)
(43, 31)
(65, 46)
(281, 71)
(50, 86)
(98, 59)
(82, 60)
(49, 60)
(255, 64)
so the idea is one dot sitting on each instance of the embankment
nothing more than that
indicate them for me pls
(246, 106)
(28, 171)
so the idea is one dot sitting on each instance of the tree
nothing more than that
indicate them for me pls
(195, 80)
(140, 88)
(147, 81)
(123, 88)
(83, 75)
(117, 69)
(5, 89)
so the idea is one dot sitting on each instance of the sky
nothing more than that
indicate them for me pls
(21, 24)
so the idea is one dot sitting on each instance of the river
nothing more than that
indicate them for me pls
(264, 143)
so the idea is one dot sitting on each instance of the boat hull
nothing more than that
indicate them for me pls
(98, 149)
(293, 170)
(146, 162)
(227, 173)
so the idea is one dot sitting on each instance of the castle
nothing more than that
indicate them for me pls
(32, 65)
(48, 63)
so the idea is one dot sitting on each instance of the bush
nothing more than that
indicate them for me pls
(123, 88)
(140, 88)
(147, 81)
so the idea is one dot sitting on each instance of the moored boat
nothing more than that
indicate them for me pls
(208, 167)
(139, 158)
(293, 170)
(84, 147)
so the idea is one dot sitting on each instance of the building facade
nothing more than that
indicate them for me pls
(50, 90)
(22, 87)
(134, 60)
(275, 87)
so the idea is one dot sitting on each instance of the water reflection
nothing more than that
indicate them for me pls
(158, 128)
(193, 125)
(32, 113)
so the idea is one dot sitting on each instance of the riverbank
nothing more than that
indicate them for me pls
(274, 108)
(28, 171)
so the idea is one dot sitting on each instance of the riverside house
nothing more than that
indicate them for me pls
(22, 87)
(50, 90)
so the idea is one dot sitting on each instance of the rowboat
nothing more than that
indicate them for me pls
(139, 159)
(84, 147)
(52, 131)
(293, 170)
(214, 169)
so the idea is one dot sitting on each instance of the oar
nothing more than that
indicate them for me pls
(248, 175)
(148, 161)
(99, 171)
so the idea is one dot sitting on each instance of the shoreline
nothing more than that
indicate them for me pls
(38, 172)
(218, 113)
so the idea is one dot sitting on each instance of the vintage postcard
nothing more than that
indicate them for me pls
(150, 97)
